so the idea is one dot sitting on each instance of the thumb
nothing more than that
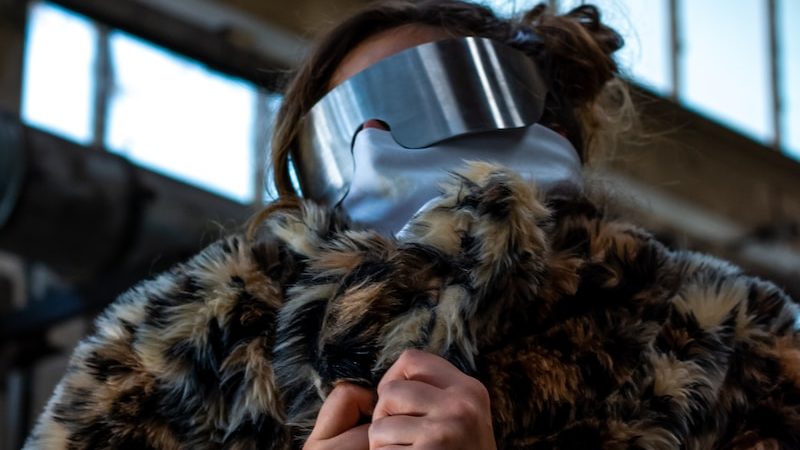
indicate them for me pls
(342, 410)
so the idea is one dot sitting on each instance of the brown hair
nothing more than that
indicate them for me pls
(573, 50)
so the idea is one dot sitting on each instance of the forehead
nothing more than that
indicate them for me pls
(384, 44)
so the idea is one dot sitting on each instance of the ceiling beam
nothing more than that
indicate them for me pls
(220, 37)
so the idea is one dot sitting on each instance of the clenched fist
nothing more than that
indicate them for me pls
(424, 402)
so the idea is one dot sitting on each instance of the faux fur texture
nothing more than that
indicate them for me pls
(587, 332)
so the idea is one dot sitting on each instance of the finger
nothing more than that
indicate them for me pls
(425, 367)
(355, 438)
(407, 397)
(342, 410)
(395, 430)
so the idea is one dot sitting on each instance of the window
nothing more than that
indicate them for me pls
(725, 61)
(508, 8)
(58, 78)
(174, 116)
(645, 58)
(164, 111)
(789, 48)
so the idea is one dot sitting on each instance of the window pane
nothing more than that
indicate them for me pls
(725, 62)
(58, 80)
(508, 8)
(644, 24)
(789, 16)
(175, 116)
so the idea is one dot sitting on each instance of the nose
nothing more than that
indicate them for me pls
(375, 123)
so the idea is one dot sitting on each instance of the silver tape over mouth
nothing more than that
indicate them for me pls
(426, 94)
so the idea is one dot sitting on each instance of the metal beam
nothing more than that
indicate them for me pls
(774, 74)
(103, 87)
(710, 165)
(89, 214)
(675, 48)
(235, 46)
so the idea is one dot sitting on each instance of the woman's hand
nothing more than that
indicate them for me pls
(337, 423)
(424, 402)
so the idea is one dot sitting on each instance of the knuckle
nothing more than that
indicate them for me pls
(409, 357)
(390, 388)
(345, 390)
(376, 428)
(474, 390)
(464, 412)
(377, 432)
(481, 393)
(441, 434)
(466, 409)
(472, 384)
(434, 435)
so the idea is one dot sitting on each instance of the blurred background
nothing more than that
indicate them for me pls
(133, 132)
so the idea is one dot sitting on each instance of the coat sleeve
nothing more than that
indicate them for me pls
(725, 368)
(179, 361)
(761, 393)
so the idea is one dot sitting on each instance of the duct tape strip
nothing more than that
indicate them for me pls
(12, 165)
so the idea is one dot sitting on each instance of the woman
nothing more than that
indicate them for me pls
(542, 323)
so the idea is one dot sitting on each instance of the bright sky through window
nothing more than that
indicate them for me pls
(645, 57)
(789, 27)
(172, 115)
(726, 64)
(724, 60)
(166, 112)
(58, 76)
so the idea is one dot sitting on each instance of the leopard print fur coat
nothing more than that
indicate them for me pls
(586, 331)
